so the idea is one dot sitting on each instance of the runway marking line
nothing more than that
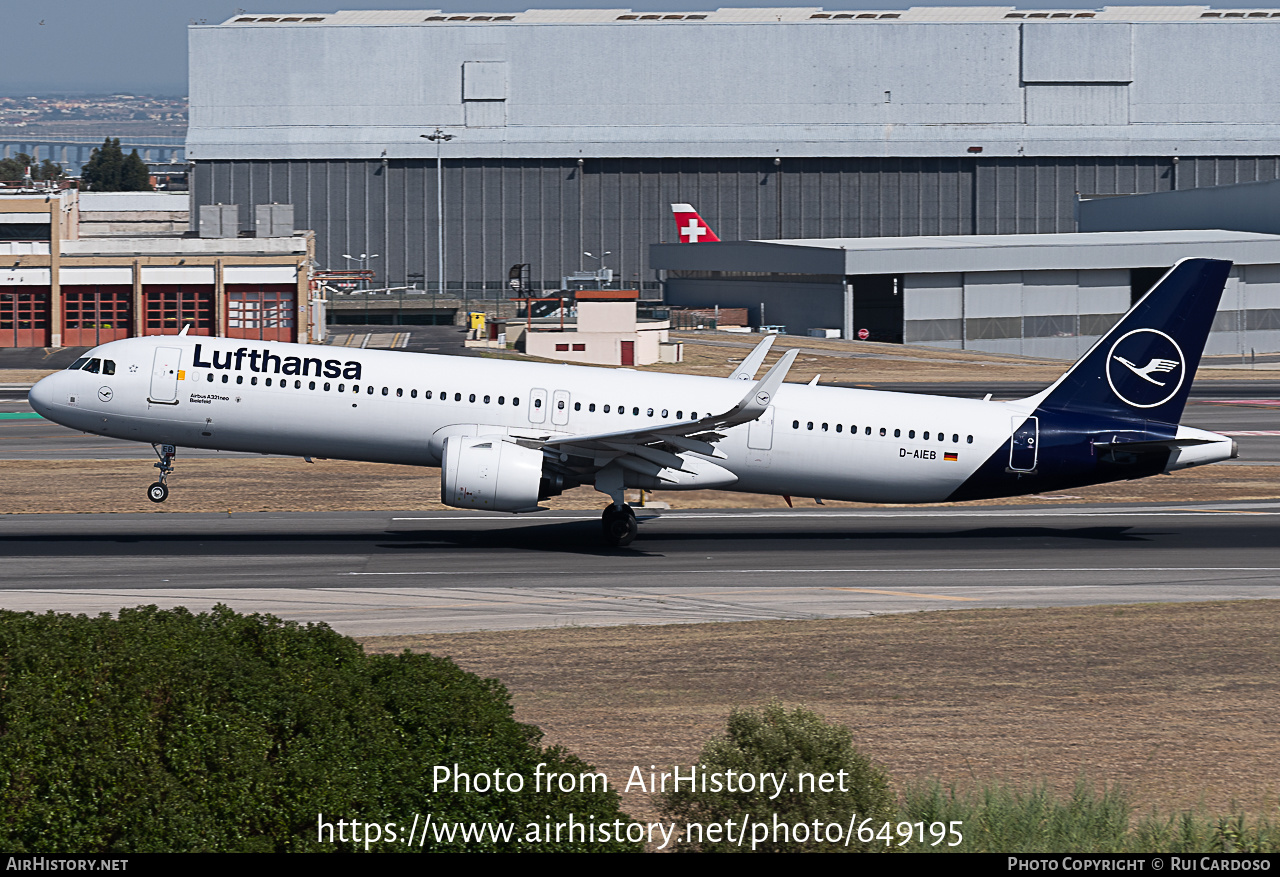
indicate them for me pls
(907, 594)
(841, 513)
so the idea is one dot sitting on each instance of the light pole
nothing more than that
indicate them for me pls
(363, 259)
(602, 275)
(438, 137)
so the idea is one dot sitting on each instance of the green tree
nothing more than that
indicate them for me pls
(171, 731)
(134, 176)
(785, 744)
(109, 170)
(15, 169)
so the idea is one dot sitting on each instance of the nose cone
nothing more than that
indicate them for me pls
(43, 395)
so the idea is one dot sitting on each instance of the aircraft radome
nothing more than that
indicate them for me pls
(509, 435)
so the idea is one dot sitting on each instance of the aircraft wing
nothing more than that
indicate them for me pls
(654, 448)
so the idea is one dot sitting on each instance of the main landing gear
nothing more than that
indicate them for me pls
(618, 525)
(159, 491)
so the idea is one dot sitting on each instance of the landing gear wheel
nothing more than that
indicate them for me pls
(158, 492)
(618, 526)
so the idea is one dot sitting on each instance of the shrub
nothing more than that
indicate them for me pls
(171, 731)
(776, 741)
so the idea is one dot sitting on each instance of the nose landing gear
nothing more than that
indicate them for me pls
(159, 491)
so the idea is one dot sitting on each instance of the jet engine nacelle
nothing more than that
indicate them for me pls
(490, 472)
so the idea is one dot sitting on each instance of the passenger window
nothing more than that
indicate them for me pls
(399, 393)
(486, 400)
(457, 397)
(839, 427)
(577, 406)
(239, 379)
(664, 412)
(226, 379)
(209, 377)
(268, 382)
(560, 405)
(810, 424)
(868, 431)
(693, 415)
(471, 398)
(883, 431)
(679, 415)
(297, 385)
(606, 409)
(502, 400)
(795, 424)
(326, 386)
(108, 366)
(369, 390)
(413, 394)
(515, 400)
(253, 381)
(969, 440)
(311, 385)
(426, 394)
(537, 403)
(635, 411)
(591, 407)
(926, 435)
(824, 427)
(955, 438)
(897, 433)
(650, 412)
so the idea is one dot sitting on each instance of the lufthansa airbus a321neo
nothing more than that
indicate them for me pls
(509, 435)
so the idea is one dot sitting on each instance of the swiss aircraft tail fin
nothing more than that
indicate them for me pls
(692, 227)
(1143, 367)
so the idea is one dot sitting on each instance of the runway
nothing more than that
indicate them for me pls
(374, 573)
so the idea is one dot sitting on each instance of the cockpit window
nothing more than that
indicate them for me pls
(94, 366)
(79, 363)
(108, 366)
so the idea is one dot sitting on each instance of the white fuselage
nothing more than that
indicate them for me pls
(394, 407)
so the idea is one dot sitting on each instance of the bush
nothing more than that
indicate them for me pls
(776, 741)
(169, 731)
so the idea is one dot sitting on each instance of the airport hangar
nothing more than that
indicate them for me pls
(1036, 295)
(572, 131)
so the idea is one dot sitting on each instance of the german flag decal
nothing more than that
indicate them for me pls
(951, 457)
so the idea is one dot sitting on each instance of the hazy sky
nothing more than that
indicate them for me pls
(141, 45)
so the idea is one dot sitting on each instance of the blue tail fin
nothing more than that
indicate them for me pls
(1143, 367)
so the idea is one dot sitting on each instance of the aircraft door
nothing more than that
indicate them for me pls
(1023, 448)
(760, 432)
(560, 407)
(760, 439)
(537, 405)
(164, 376)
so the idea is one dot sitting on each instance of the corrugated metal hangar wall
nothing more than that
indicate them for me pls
(499, 212)
(791, 122)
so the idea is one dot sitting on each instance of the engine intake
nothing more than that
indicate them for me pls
(490, 472)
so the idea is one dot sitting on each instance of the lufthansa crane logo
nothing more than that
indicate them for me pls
(1145, 368)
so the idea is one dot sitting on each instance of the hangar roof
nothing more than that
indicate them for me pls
(968, 253)
(796, 82)
(730, 14)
